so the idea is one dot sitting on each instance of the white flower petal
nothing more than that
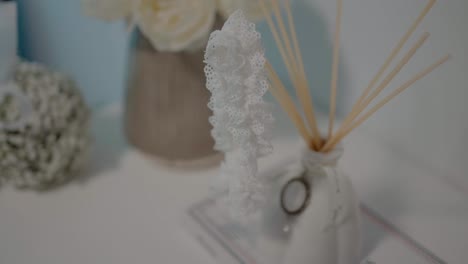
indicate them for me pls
(175, 25)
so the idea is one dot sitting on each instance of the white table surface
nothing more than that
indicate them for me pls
(127, 209)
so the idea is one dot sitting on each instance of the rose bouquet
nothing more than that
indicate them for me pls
(166, 113)
(170, 25)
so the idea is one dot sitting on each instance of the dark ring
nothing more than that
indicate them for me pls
(302, 180)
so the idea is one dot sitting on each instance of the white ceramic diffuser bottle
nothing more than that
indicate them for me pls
(327, 231)
(327, 226)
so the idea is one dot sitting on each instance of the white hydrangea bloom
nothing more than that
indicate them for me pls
(174, 25)
(23, 105)
(44, 128)
(241, 119)
(108, 9)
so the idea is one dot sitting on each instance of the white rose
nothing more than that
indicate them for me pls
(107, 9)
(252, 8)
(175, 25)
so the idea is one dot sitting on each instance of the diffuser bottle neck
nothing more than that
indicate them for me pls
(312, 159)
(321, 170)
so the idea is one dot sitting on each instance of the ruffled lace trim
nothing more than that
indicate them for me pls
(241, 119)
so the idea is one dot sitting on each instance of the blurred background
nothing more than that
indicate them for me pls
(428, 121)
(428, 124)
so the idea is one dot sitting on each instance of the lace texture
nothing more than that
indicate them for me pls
(241, 119)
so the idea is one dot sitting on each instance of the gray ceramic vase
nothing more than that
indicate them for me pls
(166, 105)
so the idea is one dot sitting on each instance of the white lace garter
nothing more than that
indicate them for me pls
(241, 119)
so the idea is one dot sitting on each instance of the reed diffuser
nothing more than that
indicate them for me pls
(319, 195)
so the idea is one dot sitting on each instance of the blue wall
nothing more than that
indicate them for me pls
(93, 52)
(317, 49)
